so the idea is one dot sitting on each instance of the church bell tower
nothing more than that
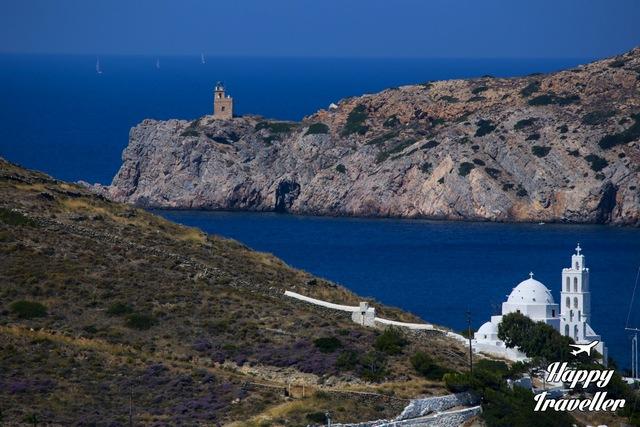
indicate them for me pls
(575, 299)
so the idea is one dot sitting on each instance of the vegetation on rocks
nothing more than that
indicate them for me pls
(553, 99)
(596, 162)
(540, 151)
(630, 134)
(28, 309)
(317, 129)
(355, 121)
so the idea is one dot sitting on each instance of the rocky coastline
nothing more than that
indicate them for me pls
(560, 147)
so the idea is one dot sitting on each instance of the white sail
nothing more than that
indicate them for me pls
(98, 70)
(202, 58)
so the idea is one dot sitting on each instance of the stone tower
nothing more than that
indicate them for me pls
(222, 104)
(575, 299)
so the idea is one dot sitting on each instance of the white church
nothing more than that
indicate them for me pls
(534, 300)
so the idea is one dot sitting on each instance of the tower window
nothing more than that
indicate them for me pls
(575, 284)
(566, 330)
(575, 332)
(222, 108)
(577, 265)
(568, 302)
(568, 281)
(575, 302)
(553, 313)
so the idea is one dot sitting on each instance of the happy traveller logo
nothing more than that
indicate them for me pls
(558, 372)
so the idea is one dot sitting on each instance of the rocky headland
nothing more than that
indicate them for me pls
(560, 147)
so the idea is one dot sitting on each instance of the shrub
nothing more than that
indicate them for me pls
(563, 129)
(553, 99)
(28, 309)
(597, 117)
(540, 151)
(425, 366)
(521, 124)
(373, 366)
(450, 99)
(391, 121)
(485, 127)
(190, 132)
(506, 187)
(317, 417)
(425, 167)
(275, 127)
(479, 162)
(382, 138)
(119, 309)
(327, 345)
(347, 360)
(530, 89)
(391, 341)
(533, 137)
(382, 156)
(597, 163)
(465, 168)
(618, 63)
(479, 89)
(521, 192)
(493, 173)
(220, 140)
(429, 144)
(355, 121)
(140, 321)
(11, 217)
(317, 128)
(630, 134)
(341, 168)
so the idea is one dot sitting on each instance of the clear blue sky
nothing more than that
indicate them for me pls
(335, 28)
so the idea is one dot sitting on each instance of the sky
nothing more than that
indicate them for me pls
(323, 28)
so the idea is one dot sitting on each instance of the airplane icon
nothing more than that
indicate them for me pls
(584, 348)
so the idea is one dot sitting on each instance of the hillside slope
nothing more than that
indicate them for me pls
(106, 308)
(558, 147)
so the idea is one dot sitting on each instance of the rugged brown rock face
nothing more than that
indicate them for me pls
(557, 147)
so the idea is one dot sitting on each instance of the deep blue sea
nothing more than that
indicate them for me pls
(58, 115)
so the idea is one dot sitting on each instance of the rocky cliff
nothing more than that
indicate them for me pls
(557, 147)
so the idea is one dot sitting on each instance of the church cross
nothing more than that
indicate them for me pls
(531, 275)
(578, 249)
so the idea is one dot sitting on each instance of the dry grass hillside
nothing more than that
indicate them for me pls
(107, 310)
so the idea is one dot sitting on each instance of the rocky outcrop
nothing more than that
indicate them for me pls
(560, 147)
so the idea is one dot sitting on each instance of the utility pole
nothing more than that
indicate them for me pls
(470, 348)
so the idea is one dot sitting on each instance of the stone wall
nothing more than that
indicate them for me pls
(421, 407)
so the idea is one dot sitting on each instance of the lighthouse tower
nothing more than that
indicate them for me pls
(575, 304)
(222, 104)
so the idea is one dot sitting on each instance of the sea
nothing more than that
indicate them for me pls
(58, 115)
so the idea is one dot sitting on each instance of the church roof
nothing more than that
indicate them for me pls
(530, 291)
(488, 328)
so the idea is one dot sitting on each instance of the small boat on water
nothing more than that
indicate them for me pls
(202, 58)
(158, 63)
(98, 70)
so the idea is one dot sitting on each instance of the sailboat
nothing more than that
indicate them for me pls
(635, 375)
(202, 58)
(98, 70)
(158, 63)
